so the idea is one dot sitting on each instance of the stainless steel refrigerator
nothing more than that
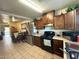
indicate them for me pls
(29, 36)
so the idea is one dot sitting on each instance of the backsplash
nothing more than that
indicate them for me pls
(57, 32)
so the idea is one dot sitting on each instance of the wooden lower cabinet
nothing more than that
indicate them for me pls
(57, 46)
(37, 41)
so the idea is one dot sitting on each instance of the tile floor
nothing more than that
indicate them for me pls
(9, 50)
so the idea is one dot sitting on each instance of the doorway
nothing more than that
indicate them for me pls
(7, 36)
(6, 31)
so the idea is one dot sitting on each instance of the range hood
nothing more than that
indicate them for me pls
(48, 25)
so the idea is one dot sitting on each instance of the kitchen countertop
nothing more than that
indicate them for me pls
(58, 38)
(65, 40)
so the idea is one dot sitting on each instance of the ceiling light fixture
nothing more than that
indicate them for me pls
(32, 5)
(13, 18)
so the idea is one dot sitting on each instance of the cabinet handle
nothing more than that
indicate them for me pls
(62, 50)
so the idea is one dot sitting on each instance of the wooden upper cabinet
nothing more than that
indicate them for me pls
(59, 22)
(39, 24)
(46, 19)
(50, 17)
(70, 20)
(77, 19)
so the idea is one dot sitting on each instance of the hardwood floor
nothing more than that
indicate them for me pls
(9, 50)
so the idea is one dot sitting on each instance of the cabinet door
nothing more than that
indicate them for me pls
(36, 41)
(77, 19)
(39, 24)
(59, 22)
(50, 17)
(57, 45)
(70, 20)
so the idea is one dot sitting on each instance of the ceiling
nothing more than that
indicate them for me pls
(15, 7)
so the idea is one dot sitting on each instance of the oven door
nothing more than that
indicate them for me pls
(47, 45)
